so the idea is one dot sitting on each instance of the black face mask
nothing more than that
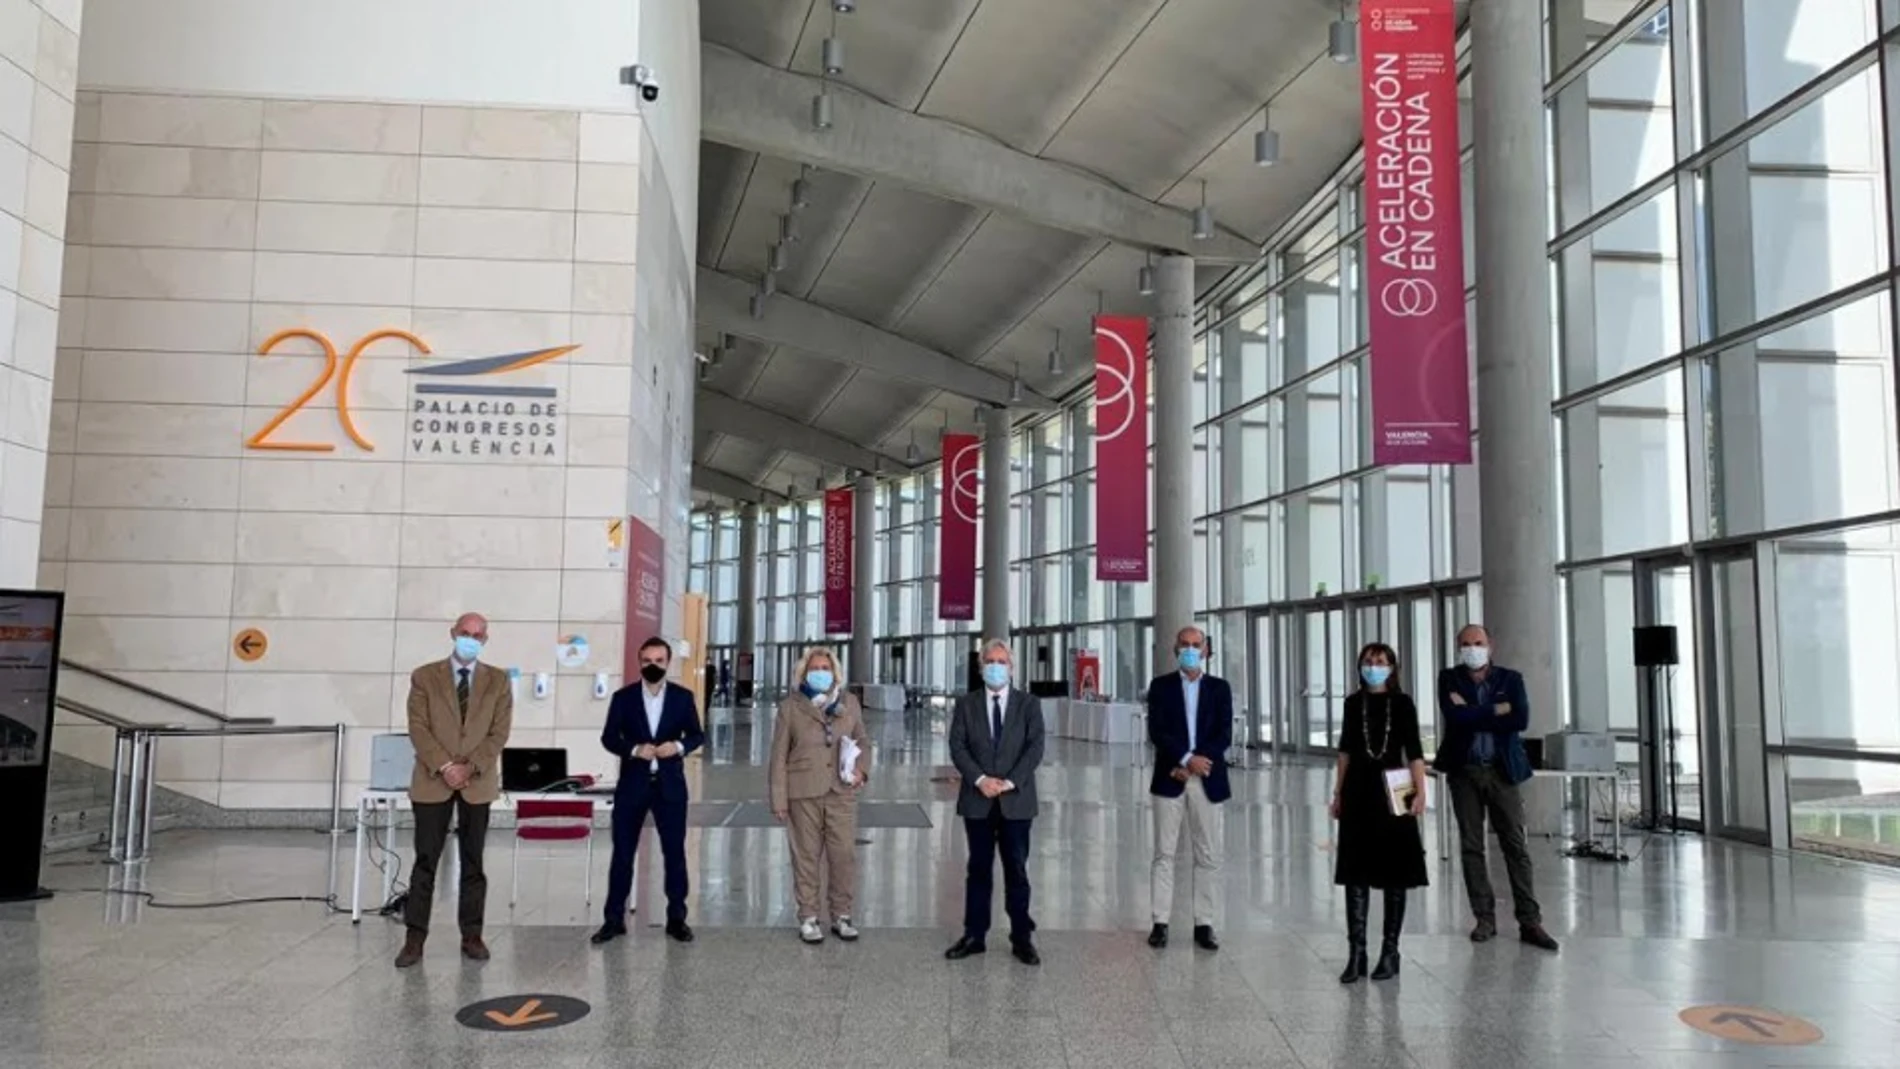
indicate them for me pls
(652, 673)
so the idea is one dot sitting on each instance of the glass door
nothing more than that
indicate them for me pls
(1735, 752)
(1669, 708)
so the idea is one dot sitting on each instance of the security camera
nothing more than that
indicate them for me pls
(641, 75)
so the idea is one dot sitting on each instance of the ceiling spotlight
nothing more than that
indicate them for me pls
(787, 230)
(913, 455)
(1015, 391)
(1341, 42)
(1055, 356)
(778, 258)
(1145, 278)
(801, 193)
(844, 7)
(976, 414)
(768, 284)
(758, 306)
(821, 111)
(1266, 141)
(1203, 217)
(834, 55)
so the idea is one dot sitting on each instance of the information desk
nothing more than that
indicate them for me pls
(1447, 834)
(1115, 723)
(885, 697)
(376, 810)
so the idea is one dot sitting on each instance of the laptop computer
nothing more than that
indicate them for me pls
(528, 768)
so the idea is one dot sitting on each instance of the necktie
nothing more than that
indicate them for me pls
(461, 691)
(996, 722)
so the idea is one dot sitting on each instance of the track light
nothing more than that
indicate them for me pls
(1341, 42)
(844, 7)
(1266, 142)
(768, 284)
(821, 111)
(1145, 278)
(787, 230)
(1015, 391)
(758, 306)
(976, 414)
(1055, 355)
(778, 258)
(801, 193)
(1203, 217)
(833, 52)
(913, 455)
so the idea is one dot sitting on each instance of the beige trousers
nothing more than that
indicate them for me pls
(824, 830)
(1203, 820)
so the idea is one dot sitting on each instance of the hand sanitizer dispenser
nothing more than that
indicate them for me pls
(543, 684)
(602, 688)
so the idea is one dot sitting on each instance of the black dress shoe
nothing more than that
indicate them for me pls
(1158, 936)
(964, 948)
(1025, 952)
(1535, 935)
(607, 934)
(1485, 930)
(1204, 937)
(679, 931)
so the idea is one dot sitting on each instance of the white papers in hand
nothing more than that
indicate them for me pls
(848, 752)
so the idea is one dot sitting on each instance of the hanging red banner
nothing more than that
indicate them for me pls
(646, 586)
(1415, 253)
(956, 530)
(838, 561)
(1121, 449)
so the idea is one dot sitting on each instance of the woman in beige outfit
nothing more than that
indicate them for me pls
(811, 793)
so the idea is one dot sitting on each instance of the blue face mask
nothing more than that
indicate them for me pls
(1375, 675)
(467, 649)
(818, 681)
(1190, 659)
(996, 675)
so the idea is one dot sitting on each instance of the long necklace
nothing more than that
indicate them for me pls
(1385, 706)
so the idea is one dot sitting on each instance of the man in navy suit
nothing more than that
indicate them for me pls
(651, 726)
(1481, 753)
(1191, 724)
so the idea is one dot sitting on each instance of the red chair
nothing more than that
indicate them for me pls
(549, 820)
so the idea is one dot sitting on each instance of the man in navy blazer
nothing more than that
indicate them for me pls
(1485, 710)
(1190, 724)
(651, 726)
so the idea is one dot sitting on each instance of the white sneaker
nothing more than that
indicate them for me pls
(809, 931)
(844, 928)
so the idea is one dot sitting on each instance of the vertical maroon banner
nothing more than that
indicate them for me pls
(838, 561)
(956, 531)
(646, 574)
(1415, 253)
(1121, 449)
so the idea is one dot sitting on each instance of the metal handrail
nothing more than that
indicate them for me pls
(117, 723)
(159, 695)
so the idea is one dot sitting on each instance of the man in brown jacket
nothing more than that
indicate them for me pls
(459, 714)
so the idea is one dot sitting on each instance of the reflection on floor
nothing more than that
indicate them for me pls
(92, 979)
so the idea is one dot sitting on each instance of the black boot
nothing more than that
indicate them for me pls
(1394, 924)
(1358, 905)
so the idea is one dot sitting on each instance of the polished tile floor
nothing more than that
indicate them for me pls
(99, 977)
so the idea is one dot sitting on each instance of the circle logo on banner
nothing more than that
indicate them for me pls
(572, 652)
(963, 482)
(1120, 403)
(1409, 298)
(1751, 1024)
(522, 1013)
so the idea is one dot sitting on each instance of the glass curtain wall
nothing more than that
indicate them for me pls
(1722, 266)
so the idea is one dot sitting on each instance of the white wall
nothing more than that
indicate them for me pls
(540, 53)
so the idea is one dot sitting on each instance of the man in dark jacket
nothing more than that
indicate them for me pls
(1481, 753)
(996, 735)
(1190, 725)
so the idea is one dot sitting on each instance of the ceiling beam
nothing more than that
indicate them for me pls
(751, 105)
(724, 304)
(716, 412)
(725, 484)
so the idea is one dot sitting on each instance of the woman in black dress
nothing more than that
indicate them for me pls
(1376, 848)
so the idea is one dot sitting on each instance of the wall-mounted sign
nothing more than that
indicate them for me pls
(452, 416)
(250, 645)
(571, 651)
(616, 543)
(646, 571)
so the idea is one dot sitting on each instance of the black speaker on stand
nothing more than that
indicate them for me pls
(1656, 657)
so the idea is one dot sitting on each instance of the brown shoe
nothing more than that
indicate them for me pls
(473, 948)
(411, 951)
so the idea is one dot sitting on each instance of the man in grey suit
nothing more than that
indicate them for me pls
(996, 744)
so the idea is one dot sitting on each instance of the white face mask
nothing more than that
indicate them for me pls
(1474, 657)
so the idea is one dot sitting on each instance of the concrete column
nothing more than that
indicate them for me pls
(1173, 571)
(747, 637)
(864, 581)
(1516, 462)
(996, 524)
